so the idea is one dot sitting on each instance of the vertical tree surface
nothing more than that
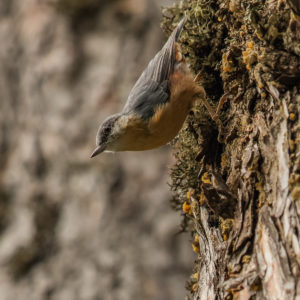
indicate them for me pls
(237, 180)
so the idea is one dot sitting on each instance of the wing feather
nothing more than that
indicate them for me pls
(152, 88)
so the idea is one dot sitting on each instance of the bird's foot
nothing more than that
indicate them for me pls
(197, 77)
(220, 105)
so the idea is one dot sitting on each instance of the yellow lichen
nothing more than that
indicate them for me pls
(294, 179)
(195, 276)
(250, 44)
(223, 161)
(292, 145)
(202, 198)
(188, 194)
(196, 248)
(245, 55)
(227, 64)
(249, 55)
(246, 259)
(263, 95)
(296, 193)
(226, 225)
(186, 207)
(205, 178)
(195, 287)
(292, 116)
(195, 244)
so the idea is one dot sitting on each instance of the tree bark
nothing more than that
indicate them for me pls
(237, 181)
(72, 227)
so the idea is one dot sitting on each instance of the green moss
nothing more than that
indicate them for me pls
(201, 42)
(245, 49)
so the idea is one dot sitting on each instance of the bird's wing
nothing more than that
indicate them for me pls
(152, 89)
(147, 97)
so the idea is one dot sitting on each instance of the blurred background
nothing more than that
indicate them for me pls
(72, 227)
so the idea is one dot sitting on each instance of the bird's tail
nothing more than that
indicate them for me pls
(162, 66)
(169, 45)
(177, 31)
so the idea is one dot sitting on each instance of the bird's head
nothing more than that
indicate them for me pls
(109, 134)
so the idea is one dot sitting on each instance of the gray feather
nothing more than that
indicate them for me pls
(152, 88)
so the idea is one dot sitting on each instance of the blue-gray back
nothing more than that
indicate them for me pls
(152, 88)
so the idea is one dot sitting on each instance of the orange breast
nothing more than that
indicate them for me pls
(168, 118)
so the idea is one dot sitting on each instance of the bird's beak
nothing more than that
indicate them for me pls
(98, 150)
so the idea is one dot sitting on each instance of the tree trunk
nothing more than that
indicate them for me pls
(72, 227)
(237, 180)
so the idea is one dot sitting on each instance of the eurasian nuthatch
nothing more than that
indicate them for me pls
(157, 105)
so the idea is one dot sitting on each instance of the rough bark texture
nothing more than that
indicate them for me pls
(237, 181)
(71, 228)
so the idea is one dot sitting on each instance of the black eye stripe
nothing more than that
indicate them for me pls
(105, 133)
(106, 129)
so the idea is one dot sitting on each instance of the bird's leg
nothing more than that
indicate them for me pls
(197, 77)
(220, 105)
(201, 93)
(211, 111)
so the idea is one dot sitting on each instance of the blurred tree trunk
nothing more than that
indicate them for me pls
(65, 65)
(238, 182)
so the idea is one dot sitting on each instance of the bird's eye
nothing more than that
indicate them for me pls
(106, 131)
(105, 134)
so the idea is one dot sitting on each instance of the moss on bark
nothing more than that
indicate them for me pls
(238, 180)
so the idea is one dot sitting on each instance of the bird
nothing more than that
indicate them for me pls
(157, 105)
